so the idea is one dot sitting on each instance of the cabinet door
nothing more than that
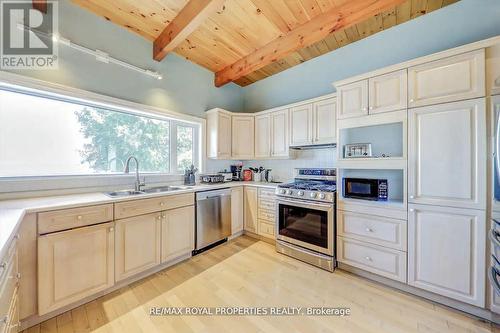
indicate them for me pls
(493, 70)
(177, 233)
(243, 137)
(447, 155)
(325, 118)
(388, 92)
(279, 133)
(447, 80)
(250, 216)
(263, 136)
(446, 252)
(224, 135)
(236, 209)
(137, 244)
(353, 100)
(301, 125)
(74, 264)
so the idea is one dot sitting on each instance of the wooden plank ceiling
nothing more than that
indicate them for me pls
(241, 27)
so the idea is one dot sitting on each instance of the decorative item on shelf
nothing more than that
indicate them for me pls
(247, 175)
(357, 150)
(189, 177)
(212, 178)
(228, 176)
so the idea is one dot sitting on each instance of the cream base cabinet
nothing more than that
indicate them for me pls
(447, 154)
(446, 252)
(446, 80)
(263, 136)
(279, 134)
(74, 264)
(250, 209)
(137, 244)
(177, 233)
(236, 209)
(325, 117)
(388, 92)
(353, 100)
(219, 134)
(243, 137)
(301, 125)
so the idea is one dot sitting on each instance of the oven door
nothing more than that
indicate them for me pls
(306, 224)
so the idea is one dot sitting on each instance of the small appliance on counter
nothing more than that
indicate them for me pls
(357, 150)
(228, 176)
(237, 173)
(366, 189)
(189, 176)
(247, 175)
(212, 178)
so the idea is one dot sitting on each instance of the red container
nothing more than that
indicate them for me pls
(247, 175)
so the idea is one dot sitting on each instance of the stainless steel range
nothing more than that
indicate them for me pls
(305, 214)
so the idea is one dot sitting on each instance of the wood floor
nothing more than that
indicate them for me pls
(246, 272)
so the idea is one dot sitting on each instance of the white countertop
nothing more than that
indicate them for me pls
(13, 211)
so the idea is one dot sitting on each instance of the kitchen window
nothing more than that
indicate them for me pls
(46, 136)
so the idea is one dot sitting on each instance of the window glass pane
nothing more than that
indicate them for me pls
(185, 147)
(40, 136)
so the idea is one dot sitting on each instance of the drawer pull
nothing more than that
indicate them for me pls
(111, 229)
(368, 258)
(369, 230)
(158, 217)
(79, 217)
(5, 320)
(412, 100)
(162, 204)
(18, 276)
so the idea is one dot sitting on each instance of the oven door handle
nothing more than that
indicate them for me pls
(306, 204)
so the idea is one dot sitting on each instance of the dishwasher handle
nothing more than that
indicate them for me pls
(213, 194)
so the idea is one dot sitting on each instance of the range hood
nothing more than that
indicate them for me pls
(308, 147)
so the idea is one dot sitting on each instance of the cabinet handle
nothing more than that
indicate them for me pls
(158, 217)
(412, 197)
(164, 216)
(412, 210)
(364, 109)
(368, 258)
(111, 229)
(162, 204)
(18, 276)
(3, 265)
(369, 230)
(5, 319)
(79, 217)
(16, 237)
(371, 107)
(412, 100)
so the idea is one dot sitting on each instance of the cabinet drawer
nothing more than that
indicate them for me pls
(266, 192)
(65, 219)
(374, 229)
(267, 215)
(266, 229)
(146, 206)
(269, 205)
(446, 80)
(376, 259)
(8, 286)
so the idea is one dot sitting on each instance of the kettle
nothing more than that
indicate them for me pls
(268, 176)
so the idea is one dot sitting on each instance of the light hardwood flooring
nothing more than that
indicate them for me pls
(247, 272)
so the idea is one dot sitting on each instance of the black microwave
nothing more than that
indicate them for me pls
(364, 188)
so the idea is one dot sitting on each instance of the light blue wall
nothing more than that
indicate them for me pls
(186, 87)
(463, 22)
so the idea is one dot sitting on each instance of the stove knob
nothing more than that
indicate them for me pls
(300, 193)
(282, 191)
(289, 192)
(313, 195)
(322, 195)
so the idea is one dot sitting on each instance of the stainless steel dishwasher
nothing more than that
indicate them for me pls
(213, 218)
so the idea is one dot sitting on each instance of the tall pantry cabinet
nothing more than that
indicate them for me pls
(447, 177)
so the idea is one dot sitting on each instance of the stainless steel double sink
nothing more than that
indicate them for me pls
(158, 189)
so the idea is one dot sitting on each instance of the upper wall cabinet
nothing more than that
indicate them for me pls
(446, 80)
(387, 92)
(243, 134)
(493, 69)
(379, 94)
(219, 134)
(314, 123)
(353, 100)
(263, 136)
(447, 154)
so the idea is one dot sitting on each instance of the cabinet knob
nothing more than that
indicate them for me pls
(18, 276)
(364, 109)
(162, 204)
(3, 265)
(5, 320)
(368, 258)
(79, 217)
(111, 229)
(412, 100)
(371, 107)
(412, 197)
(369, 230)
(412, 210)
(164, 216)
(158, 217)
(16, 236)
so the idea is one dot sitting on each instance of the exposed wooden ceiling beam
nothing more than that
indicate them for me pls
(40, 5)
(191, 16)
(341, 17)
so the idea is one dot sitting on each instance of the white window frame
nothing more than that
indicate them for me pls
(26, 85)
